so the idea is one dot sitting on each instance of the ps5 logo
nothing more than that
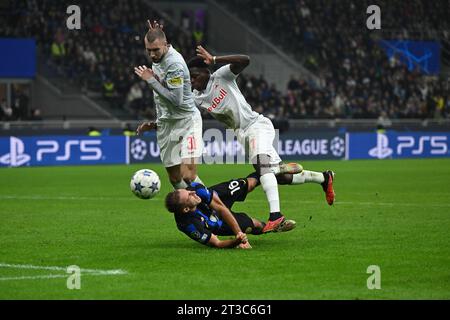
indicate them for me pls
(16, 156)
(382, 150)
(86, 146)
(438, 144)
(410, 146)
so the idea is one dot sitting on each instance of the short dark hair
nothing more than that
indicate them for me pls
(173, 202)
(197, 62)
(152, 35)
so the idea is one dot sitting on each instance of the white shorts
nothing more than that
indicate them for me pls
(180, 139)
(258, 139)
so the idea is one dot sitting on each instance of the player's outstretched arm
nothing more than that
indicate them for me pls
(217, 205)
(174, 94)
(237, 62)
(146, 126)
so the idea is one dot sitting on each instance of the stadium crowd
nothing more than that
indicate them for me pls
(101, 56)
(357, 79)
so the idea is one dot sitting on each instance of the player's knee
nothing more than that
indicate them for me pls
(284, 178)
(189, 173)
(175, 178)
(188, 178)
(262, 165)
(252, 183)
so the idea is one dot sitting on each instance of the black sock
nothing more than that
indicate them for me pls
(325, 177)
(275, 215)
(258, 231)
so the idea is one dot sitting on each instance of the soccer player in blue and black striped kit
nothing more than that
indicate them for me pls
(204, 213)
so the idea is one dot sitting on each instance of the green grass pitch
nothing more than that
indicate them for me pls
(394, 214)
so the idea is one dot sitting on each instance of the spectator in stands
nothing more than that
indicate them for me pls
(36, 115)
(128, 131)
(94, 132)
(6, 111)
(89, 56)
(109, 92)
(134, 98)
(383, 122)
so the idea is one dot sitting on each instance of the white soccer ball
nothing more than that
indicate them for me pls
(145, 184)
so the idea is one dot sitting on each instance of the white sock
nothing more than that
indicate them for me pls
(179, 185)
(308, 176)
(198, 180)
(270, 185)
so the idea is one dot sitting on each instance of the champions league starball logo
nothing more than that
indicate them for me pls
(337, 146)
(138, 149)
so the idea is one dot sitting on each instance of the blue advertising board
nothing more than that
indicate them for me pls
(61, 150)
(79, 150)
(393, 145)
(17, 58)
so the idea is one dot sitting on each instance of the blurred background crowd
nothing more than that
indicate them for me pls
(357, 79)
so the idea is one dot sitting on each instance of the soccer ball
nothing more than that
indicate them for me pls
(145, 184)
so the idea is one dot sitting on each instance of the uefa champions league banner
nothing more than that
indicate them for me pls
(223, 148)
(61, 150)
(393, 145)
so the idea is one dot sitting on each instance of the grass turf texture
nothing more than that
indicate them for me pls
(394, 214)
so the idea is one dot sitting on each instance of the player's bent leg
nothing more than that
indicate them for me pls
(258, 227)
(252, 181)
(269, 184)
(175, 177)
(284, 179)
(325, 179)
(189, 170)
(246, 224)
(290, 168)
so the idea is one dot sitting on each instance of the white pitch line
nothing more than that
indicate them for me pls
(38, 197)
(55, 268)
(49, 276)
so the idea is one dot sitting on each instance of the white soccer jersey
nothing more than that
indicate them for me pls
(172, 72)
(223, 99)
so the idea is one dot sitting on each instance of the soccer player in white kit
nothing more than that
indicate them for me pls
(179, 123)
(219, 94)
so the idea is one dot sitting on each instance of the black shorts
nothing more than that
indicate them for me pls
(244, 222)
(231, 191)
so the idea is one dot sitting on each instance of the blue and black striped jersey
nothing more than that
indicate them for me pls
(203, 222)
